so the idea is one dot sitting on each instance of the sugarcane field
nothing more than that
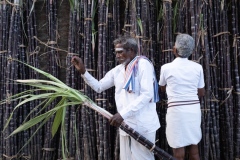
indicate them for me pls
(48, 111)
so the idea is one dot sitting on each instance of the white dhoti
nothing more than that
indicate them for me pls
(130, 149)
(183, 125)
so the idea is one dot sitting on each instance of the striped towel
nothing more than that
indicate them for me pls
(131, 71)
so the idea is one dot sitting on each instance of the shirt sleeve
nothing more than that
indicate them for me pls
(106, 82)
(162, 81)
(201, 82)
(146, 80)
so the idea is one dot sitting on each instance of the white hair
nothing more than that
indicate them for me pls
(185, 45)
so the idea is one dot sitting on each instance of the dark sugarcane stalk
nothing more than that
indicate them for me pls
(222, 94)
(71, 112)
(101, 28)
(116, 17)
(23, 111)
(153, 35)
(89, 133)
(167, 31)
(80, 50)
(216, 16)
(9, 85)
(159, 33)
(207, 104)
(211, 132)
(117, 146)
(182, 16)
(89, 63)
(49, 143)
(77, 126)
(151, 146)
(85, 136)
(215, 74)
(14, 73)
(97, 132)
(144, 32)
(3, 57)
(110, 57)
(228, 84)
(198, 24)
(154, 48)
(235, 31)
(32, 51)
(193, 18)
(214, 108)
(101, 136)
(80, 133)
(226, 108)
(127, 17)
(92, 134)
(135, 22)
(167, 56)
(142, 140)
(161, 106)
(5, 66)
(1, 27)
(107, 151)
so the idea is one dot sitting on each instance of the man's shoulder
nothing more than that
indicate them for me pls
(195, 64)
(145, 61)
(120, 66)
(166, 65)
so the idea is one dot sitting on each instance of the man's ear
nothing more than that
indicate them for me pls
(133, 51)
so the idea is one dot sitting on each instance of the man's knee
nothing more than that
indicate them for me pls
(193, 152)
(179, 153)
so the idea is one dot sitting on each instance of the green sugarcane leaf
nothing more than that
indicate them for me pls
(37, 81)
(35, 109)
(160, 13)
(72, 4)
(10, 99)
(17, 96)
(57, 121)
(140, 25)
(35, 97)
(63, 134)
(31, 122)
(30, 138)
(39, 118)
(63, 91)
(58, 117)
(46, 87)
(50, 100)
(33, 4)
(41, 72)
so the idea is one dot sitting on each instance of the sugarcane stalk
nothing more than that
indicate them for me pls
(138, 137)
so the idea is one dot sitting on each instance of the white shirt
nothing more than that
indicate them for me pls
(135, 108)
(183, 78)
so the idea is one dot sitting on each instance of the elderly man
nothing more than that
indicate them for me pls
(136, 94)
(183, 81)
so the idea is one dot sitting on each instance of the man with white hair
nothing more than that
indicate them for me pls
(183, 80)
(136, 94)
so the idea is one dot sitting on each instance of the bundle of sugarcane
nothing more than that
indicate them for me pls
(50, 90)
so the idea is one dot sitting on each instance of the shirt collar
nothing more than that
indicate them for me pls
(179, 59)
